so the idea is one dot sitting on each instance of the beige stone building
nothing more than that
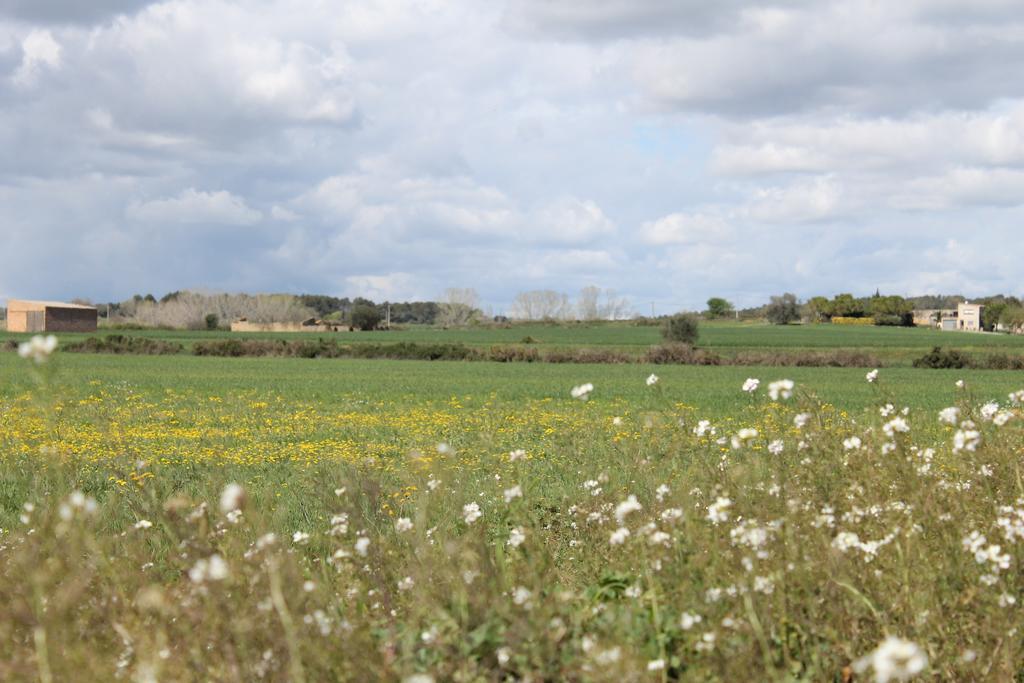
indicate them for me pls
(310, 325)
(968, 316)
(50, 316)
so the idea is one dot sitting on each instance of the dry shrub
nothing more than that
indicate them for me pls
(808, 359)
(587, 356)
(680, 354)
(513, 354)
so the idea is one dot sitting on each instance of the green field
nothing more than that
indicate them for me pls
(893, 345)
(327, 383)
(434, 521)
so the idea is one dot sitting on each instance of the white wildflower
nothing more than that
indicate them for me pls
(781, 389)
(672, 515)
(895, 425)
(522, 597)
(213, 568)
(652, 380)
(966, 439)
(362, 545)
(688, 621)
(719, 510)
(872, 376)
(656, 665)
(989, 410)
(403, 524)
(776, 447)
(516, 537)
(143, 524)
(518, 454)
(232, 498)
(852, 443)
(751, 385)
(582, 392)
(742, 437)
(471, 512)
(406, 584)
(38, 348)
(626, 507)
(300, 537)
(894, 659)
(513, 493)
(950, 415)
(619, 536)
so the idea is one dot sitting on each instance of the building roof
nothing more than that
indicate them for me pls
(47, 304)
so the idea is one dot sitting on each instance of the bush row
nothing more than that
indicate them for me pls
(664, 354)
(120, 343)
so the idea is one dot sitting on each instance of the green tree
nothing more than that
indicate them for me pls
(819, 309)
(718, 308)
(782, 310)
(365, 317)
(681, 328)
(845, 306)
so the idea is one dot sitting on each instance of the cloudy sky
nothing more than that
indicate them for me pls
(671, 150)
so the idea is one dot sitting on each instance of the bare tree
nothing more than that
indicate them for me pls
(595, 303)
(541, 304)
(458, 306)
(189, 309)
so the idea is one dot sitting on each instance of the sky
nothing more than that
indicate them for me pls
(669, 150)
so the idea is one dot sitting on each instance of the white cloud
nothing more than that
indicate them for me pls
(40, 52)
(656, 147)
(389, 287)
(193, 206)
(569, 220)
(815, 199)
(683, 228)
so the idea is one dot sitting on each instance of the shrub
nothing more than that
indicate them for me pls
(1001, 361)
(680, 354)
(847, 320)
(212, 321)
(365, 318)
(809, 359)
(586, 356)
(512, 354)
(939, 359)
(119, 343)
(681, 328)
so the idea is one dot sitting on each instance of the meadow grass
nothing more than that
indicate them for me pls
(471, 521)
(895, 345)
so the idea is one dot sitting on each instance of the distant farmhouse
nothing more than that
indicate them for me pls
(966, 317)
(310, 325)
(969, 316)
(49, 316)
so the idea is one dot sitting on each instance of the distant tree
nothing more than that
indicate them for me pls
(541, 304)
(458, 307)
(681, 328)
(594, 303)
(846, 306)
(1013, 317)
(718, 308)
(819, 309)
(212, 320)
(892, 310)
(782, 310)
(365, 317)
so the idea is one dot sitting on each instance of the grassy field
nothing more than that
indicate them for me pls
(898, 346)
(435, 521)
